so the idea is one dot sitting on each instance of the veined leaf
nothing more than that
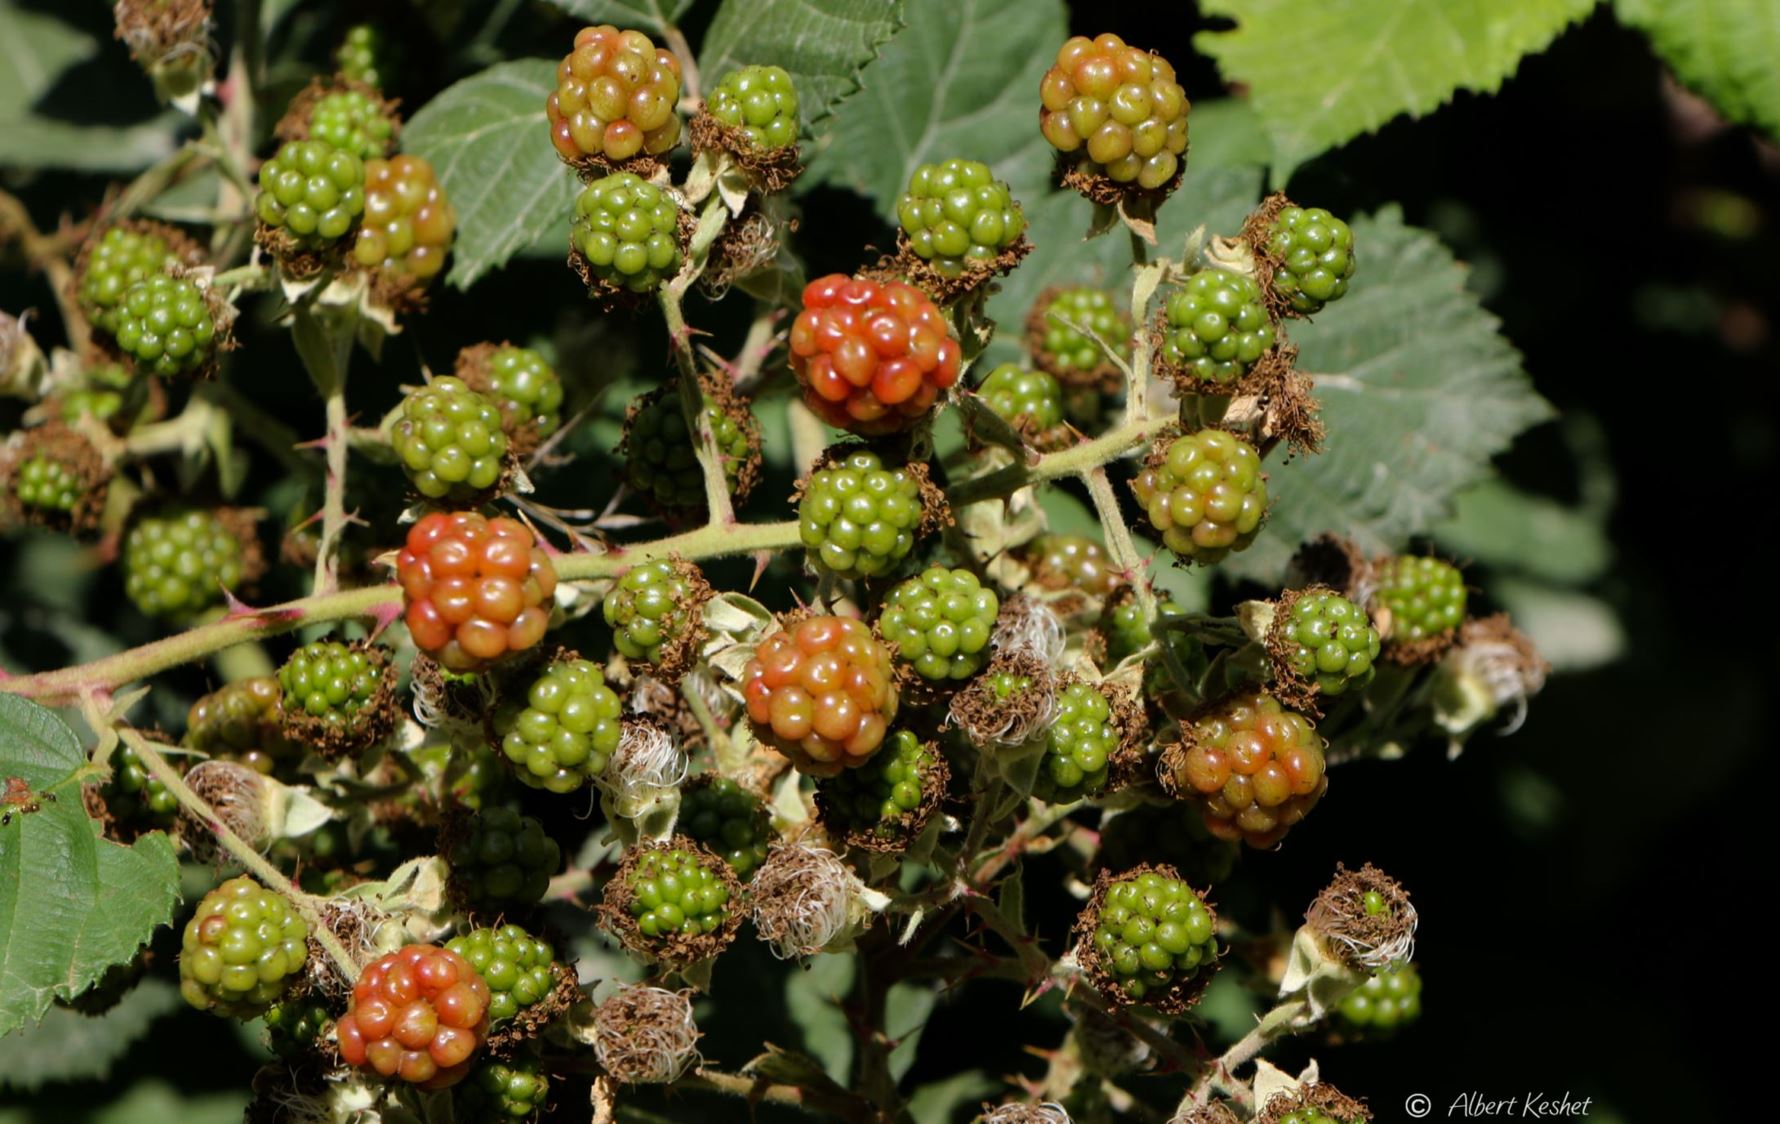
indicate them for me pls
(70, 1046)
(643, 15)
(1722, 49)
(823, 44)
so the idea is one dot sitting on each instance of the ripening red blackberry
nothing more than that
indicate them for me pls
(242, 950)
(1205, 494)
(1253, 767)
(822, 692)
(474, 588)
(418, 1015)
(872, 357)
(1119, 107)
(408, 222)
(614, 98)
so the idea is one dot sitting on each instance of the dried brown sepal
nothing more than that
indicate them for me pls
(1215, 1113)
(675, 950)
(1171, 765)
(1292, 412)
(297, 261)
(238, 795)
(295, 124)
(946, 290)
(681, 654)
(1365, 940)
(1082, 177)
(1497, 631)
(1321, 1097)
(645, 1035)
(507, 1039)
(403, 294)
(1256, 230)
(1288, 686)
(1427, 651)
(69, 448)
(664, 705)
(801, 899)
(769, 169)
(887, 837)
(1104, 378)
(746, 246)
(990, 722)
(446, 699)
(1023, 1112)
(1130, 764)
(1181, 995)
(373, 722)
(591, 166)
(1334, 562)
(164, 32)
(355, 924)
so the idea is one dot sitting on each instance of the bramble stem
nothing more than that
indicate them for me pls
(324, 343)
(1280, 1021)
(711, 221)
(1118, 537)
(759, 1088)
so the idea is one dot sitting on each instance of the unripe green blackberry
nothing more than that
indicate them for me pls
(628, 230)
(1071, 354)
(1217, 326)
(727, 818)
(450, 441)
(121, 257)
(352, 121)
(653, 606)
(957, 215)
(885, 801)
(1315, 251)
(1148, 936)
(516, 966)
(242, 949)
(1079, 746)
(312, 191)
(340, 689)
(1387, 1000)
(1425, 597)
(1061, 562)
(178, 565)
(408, 223)
(104, 391)
(295, 1026)
(940, 623)
(1204, 495)
(135, 796)
(47, 484)
(1030, 401)
(660, 450)
(673, 890)
(526, 388)
(567, 729)
(1119, 107)
(1126, 630)
(759, 100)
(363, 55)
(165, 325)
(502, 859)
(1325, 639)
(503, 1090)
(857, 518)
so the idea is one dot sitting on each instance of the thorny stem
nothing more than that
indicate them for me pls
(1118, 537)
(333, 510)
(850, 1107)
(1283, 1019)
(711, 221)
(47, 252)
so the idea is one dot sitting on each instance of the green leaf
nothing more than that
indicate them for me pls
(906, 1010)
(70, 1046)
(644, 15)
(71, 903)
(823, 44)
(1501, 526)
(941, 1100)
(1320, 74)
(813, 1000)
(1419, 390)
(1723, 50)
(489, 140)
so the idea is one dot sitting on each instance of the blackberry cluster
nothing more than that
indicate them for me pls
(857, 518)
(940, 623)
(1387, 1000)
(877, 798)
(614, 98)
(177, 565)
(1118, 105)
(661, 458)
(450, 441)
(1071, 354)
(240, 720)
(567, 729)
(1077, 562)
(822, 692)
(1029, 401)
(1217, 326)
(418, 1015)
(956, 216)
(1153, 934)
(103, 392)
(1079, 746)
(474, 588)
(339, 684)
(1329, 641)
(1425, 596)
(1315, 251)
(729, 820)
(363, 55)
(295, 1026)
(1206, 496)
(120, 258)
(352, 121)
(408, 222)
(164, 324)
(673, 890)
(45, 483)
(312, 191)
(133, 795)
(1126, 630)
(503, 1090)
(526, 388)
(628, 230)
(503, 859)
(872, 357)
(1254, 768)
(652, 607)
(759, 100)
(516, 966)
(242, 949)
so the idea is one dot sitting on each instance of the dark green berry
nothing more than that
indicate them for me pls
(1153, 932)
(940, 623)
(165, 325)
(526, 388)
(450, 441)
(516, 966)
(499, 1091)
(331, 681)
(628, 230)
(1125, 628)
(1079, 745)
(1386, 1001)
(46, 484)
(857, 518)
(674, 890)
(566, 730)
(1028, 400)
(241, 720)
(313, 191)
(729, 820)
(503, 859)
(759, 100)
(652, 607)
(178, 565)
(956, 215)
(1006, 685)
(1425, 596)
(1316, 255)
(352, 121)
(1330, 642)
(295, 1025)
(1217, 326)
(103, 392)
(1205, 496)
(133, 795)
(878, 798)
(242, 950)
(121, 257)
(1066, 351)
(660, 451)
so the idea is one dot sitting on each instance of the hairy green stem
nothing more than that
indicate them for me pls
(1118, 538)
(850, 1107)
(1280, 1021)
(711, 221)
